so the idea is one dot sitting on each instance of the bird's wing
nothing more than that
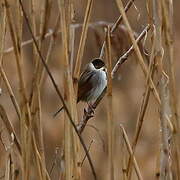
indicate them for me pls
(84, 84)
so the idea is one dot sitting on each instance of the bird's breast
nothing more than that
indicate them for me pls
(99, 81)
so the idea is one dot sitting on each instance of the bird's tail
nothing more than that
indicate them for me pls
(57, 112)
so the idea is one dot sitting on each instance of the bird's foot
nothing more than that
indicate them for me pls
(89, 111)
(91, 108)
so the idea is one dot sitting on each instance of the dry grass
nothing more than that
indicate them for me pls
(135, 132)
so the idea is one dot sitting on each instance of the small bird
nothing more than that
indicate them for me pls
(92, 82)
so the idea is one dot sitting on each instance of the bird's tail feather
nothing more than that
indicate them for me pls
(57, 112)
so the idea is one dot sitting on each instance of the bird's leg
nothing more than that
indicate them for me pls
(89, 111)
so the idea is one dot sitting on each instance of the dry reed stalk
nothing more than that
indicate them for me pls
(40, 136)
(37, 78)
(51, 33)
(149, 6)
(70, 140)
(10, 128)
(32, 20)
(124, 170)
(57, 89)
(110, 123)
(16, 34)
(26, 114)
(115, 25)
(84, 158)
(165, 108)
(17, 53)
(165, 171)
(118, 21)
(169, 45)
(9, 164)
(136, 48)
(2, 36)
(32, 17)
(3, 31)
(126, 139)
(2, 72)
(144, 104)
(11, 144)
(8, 168)
(36, 108)
(83, 37)
(35, 129)
(72, 157)
(33, 24)
(76, 149)
(124, 57)
(42, 70)
(124, 157)
(156, 13)
(50, 48)
(44, 63)
(12, 164)
(67, 89)
(24, 105)
(37, 162)
(28, 42)
(44, 19)
(72, 45)
(39, 119)
(44, 12)
(39, 75)
(18, 25)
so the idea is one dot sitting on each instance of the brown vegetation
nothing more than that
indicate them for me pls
(134, 132)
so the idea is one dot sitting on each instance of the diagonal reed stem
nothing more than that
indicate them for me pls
(57, 90)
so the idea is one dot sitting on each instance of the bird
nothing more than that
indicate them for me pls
(92, 82)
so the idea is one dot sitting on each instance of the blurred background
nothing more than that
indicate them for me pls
(128, 89)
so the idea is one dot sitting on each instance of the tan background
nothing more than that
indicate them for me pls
(128, 89)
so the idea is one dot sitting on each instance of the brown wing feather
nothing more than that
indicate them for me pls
(84, 85)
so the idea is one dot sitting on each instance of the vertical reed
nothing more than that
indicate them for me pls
(110, 121)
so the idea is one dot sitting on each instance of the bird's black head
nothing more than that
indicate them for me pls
(98, 63)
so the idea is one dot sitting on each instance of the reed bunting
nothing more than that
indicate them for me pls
(92, 82)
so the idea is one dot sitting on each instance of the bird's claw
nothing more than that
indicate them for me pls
(89, 111)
